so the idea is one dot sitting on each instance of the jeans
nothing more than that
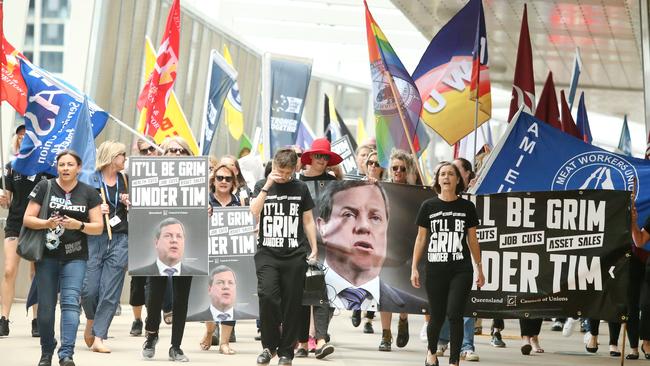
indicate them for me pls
(468, 334)
(53, 275)
(107, 260)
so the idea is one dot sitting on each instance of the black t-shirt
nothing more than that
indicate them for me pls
(20, 186)
(447, 224)
(324, 176)
(281, 231)
(76, 204)
(115, 206)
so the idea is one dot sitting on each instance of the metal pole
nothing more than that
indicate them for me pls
(138, 134)
(398, 103)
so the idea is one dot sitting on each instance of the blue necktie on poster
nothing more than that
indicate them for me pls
(53, 110)
(534, 156)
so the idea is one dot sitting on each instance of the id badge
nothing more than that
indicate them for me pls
(114, 221)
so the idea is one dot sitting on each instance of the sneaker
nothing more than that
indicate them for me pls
(46, 359)
(367, 328)
(265, 357)
(35, 332)
(423, 333)
(497, 341)
(301, 353)
(469, 355)
(402, 333)
(66, 361)
(285, 361)
(136, 328)
(4, 327)
(557, 326)
(440, 351)
(149, 346)
(322, 352)
(386, 341)
(176, 354)
(569, 327)
(356, 318)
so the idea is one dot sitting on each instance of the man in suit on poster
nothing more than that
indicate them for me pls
(222, 290)
(353, 225)
(169, 242)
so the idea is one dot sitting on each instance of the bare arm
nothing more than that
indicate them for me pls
(640, 236)
(418, 249)
(309, 226)
(257, 203)
(31, 220)
(475, 250)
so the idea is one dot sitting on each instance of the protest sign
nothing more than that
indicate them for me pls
(168, 215)
(231, 287)
(343, 147)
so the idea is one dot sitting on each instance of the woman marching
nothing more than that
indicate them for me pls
(107, 257)
(73, 212)
(449, 273)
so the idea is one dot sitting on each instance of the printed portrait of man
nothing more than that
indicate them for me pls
(169, 244)
(222, 290)
(353, 226)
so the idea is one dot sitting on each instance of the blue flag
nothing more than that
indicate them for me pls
(222, 78)
(625, 142)
(50, 120)
(583, 121)
(305, 136)
(83, 143)
(534, 156)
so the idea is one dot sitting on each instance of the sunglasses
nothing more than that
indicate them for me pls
(177, 150)
(321, 156)
(399, 169)
(148, 150)
(373, 163)
(221, 178)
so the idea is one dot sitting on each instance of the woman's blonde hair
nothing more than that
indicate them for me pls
(108, 151)
(179, 140)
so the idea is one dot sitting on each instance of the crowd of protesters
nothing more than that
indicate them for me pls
(87, 255)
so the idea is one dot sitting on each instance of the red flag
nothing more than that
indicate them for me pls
(568, 126)
(12, 88)
(523, 87)
(547, 109)
(158, 88)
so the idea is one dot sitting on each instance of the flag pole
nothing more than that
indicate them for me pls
(478, 82)
(398, 103)
(136, 133)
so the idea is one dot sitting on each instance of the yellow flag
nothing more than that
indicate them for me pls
(174, 122)
(361, 131)
(232, 106)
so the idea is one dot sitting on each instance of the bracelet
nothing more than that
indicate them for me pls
(83, 226)
(265, 190)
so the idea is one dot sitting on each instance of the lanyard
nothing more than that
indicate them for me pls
(117, 191)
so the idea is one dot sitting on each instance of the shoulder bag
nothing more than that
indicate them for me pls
(31, 242)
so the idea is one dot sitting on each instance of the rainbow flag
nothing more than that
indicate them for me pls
(447, 76)
(389, 75)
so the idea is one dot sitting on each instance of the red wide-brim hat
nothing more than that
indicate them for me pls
(321, 146)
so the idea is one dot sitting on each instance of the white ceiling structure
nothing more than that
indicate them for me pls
(333, 34)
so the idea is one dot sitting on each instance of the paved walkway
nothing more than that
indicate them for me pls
(352, 346)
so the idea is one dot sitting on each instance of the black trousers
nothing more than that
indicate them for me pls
(530, 327)
(447, 291)
(136, 294)
(280, 284)
(157, 289)
(497, 325)
(614, 330)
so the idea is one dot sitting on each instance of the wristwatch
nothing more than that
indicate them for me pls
(83, 226)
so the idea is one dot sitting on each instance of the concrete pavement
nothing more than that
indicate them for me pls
(352, 346)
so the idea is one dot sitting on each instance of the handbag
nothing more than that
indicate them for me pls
(31, 242)
(314, 292)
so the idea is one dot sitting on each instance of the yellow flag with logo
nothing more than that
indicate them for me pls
(233, 116)
(174, 123)
(362, 135)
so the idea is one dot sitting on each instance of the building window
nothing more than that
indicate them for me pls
(52, 61)
(54, 9)
(52, 34)
(29, 36)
